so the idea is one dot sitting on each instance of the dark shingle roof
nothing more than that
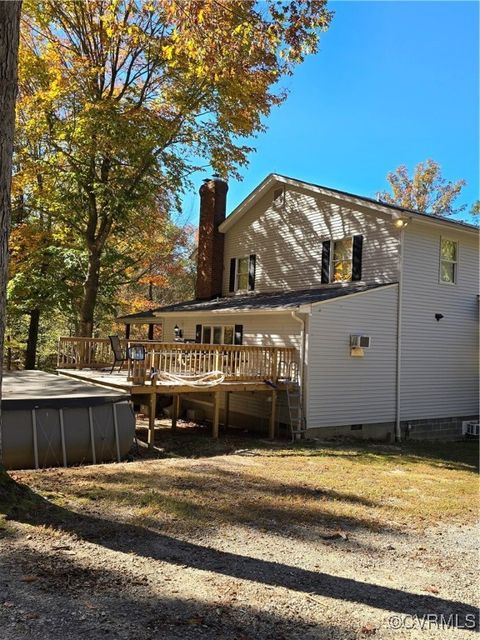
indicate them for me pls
(261, 301)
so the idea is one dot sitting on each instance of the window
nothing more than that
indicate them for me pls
(242, 274)
(218, 334)
(342, 260)
(448, 260)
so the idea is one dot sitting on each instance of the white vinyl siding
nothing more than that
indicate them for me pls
(439, 358)
(275, 330)
(287, 240)
(345, 390)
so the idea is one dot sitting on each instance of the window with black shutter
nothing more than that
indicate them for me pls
(357, 258)
(231, 285)
(239, 334)
(326, 261)
(342, 260)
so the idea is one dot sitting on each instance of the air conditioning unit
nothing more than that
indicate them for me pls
(470, 428)
(362, 342)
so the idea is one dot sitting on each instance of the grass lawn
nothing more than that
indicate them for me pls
(354, 485)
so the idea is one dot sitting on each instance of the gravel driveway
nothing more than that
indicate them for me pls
(91, 576)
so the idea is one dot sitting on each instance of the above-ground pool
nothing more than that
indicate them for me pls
(50, 420)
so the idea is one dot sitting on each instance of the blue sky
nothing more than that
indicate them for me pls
(393, 83)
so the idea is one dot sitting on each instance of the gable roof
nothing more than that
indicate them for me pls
(273, 301)
(384, 207)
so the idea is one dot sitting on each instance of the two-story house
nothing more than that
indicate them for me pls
(380, 302)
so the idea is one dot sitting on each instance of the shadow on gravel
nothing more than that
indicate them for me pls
(99, 602)
(127, 538)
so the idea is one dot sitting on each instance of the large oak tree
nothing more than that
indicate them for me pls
(127, 98)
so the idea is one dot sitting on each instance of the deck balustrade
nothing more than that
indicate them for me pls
(236, 362)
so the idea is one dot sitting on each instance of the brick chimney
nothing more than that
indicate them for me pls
(213, 207)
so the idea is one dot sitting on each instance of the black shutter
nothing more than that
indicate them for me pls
(326, 261)
(357, 258)
(251, 272)
(231, 286)
(238, 334)
(198, 333)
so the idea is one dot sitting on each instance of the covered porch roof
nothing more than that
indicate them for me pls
(254, 302)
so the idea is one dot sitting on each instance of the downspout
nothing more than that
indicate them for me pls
(302, 357)
(398, 431)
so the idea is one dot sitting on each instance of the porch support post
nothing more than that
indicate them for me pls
(227, 409)
(273, 416)
(150, 331)
(151, 420)
(216, 414)
(175, 410)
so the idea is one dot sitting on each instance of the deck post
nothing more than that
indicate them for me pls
(151, 419)
(227, 408)
(216, 414)
(273, 416)
(175, 410)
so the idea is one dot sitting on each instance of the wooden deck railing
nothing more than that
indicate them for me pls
(236, 362)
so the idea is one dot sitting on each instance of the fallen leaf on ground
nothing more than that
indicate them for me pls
(432, 589)
(28, 578)
(369, 630)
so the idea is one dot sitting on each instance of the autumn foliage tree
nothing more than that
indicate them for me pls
(126, 98)
(426, 190)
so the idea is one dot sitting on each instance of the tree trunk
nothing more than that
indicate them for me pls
(90, 291)
(31, 355)
(9, 37)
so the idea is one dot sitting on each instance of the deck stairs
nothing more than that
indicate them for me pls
(289, 377)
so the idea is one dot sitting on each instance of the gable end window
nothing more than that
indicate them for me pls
(242, 274)
(342, 260)
(448, 260)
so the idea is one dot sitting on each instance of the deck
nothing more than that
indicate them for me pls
(240, 368)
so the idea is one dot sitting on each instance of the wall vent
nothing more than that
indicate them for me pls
(279, 196)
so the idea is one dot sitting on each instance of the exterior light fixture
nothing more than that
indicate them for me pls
(178, 332)
(438, 316)
(400, 223)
